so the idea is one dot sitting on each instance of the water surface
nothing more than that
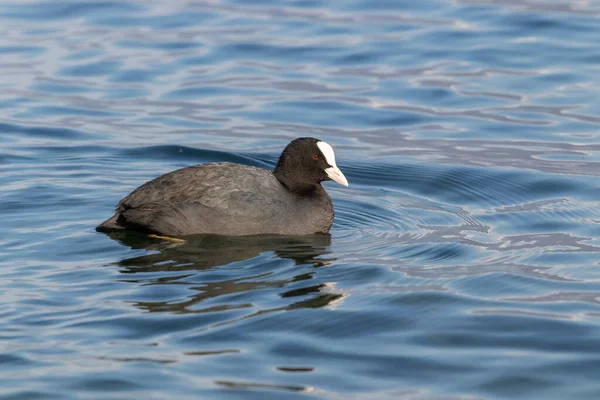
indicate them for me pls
(464, 259)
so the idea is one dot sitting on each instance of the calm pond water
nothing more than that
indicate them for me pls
(464, 261)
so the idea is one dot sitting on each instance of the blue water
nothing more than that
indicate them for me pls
(464, 261)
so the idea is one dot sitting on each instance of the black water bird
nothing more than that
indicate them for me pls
(233, 199)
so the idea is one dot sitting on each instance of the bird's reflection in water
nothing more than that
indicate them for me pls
(202, 257)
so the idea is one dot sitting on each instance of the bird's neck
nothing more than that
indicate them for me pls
(303, 188)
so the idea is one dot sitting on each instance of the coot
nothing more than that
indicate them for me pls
(233, 199)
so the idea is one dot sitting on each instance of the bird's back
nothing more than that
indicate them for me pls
(221, 198)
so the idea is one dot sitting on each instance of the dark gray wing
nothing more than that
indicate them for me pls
(222, 198)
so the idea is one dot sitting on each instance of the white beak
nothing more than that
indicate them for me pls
(332, 172)
(336, 175)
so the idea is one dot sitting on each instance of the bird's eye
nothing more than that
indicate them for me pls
(315, 157)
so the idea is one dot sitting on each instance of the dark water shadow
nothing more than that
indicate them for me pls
(205, 265)
(207, 251)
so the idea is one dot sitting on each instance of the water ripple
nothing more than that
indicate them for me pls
(463, 261)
